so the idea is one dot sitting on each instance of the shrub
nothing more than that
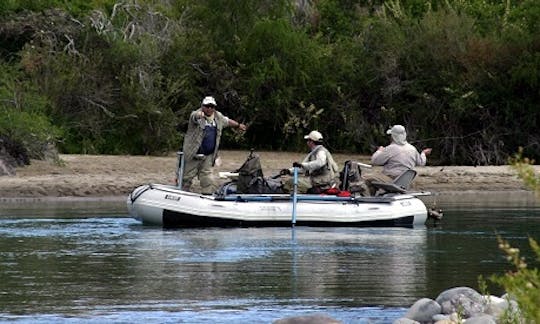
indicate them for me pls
(22, 117)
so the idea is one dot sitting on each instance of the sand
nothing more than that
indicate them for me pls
(115, 176)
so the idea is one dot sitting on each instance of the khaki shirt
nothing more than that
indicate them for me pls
(321, 167)
(195, 133)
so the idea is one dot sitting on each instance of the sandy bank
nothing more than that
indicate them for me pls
(103, 176)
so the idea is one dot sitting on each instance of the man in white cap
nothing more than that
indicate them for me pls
(396, 158)
(318, 165)
(201, 144)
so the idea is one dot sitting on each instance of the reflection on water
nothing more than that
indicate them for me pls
(90, 263)
(329, 264)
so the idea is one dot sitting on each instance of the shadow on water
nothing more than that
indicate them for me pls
(90, 263)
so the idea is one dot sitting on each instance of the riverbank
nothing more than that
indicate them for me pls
(105, 176)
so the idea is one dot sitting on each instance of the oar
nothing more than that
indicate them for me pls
(295, 198)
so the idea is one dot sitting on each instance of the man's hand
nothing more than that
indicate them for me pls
(427, 151)
(297, 165)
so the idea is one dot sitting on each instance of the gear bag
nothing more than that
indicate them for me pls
(251, 179)
(351, 178)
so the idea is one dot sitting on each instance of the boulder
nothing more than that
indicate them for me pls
(308, 319)
(481, 319)
(423, 310)
(463, 300)
(405, 320)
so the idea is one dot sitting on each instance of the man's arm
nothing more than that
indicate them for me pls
(235, 124)
(380, 157)
(316, 164)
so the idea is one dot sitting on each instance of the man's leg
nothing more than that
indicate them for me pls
(208, 185)
(377, 177)
(303, 184)
(191, 169)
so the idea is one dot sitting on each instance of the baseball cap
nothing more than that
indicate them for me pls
(209, 101)
(314, 136)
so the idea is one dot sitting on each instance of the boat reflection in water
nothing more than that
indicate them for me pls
(321, 266)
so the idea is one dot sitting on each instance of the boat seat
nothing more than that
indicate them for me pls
(400, 184)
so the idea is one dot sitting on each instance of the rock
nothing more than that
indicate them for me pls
(462, 305)
(405, 320)
(441, 318)
(308, 319)
(495, 306)
(463, 300)
(423, 310)
(481, 319)
(445, 321)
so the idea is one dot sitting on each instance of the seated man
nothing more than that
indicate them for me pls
(318, 165)
(395, 158)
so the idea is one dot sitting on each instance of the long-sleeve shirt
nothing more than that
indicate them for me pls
(320, 166)
(196, 131)
(396, 158)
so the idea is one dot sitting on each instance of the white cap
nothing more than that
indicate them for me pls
(207, 101)
(314, 136)
(399, 135)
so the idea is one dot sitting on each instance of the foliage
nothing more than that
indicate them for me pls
(522, 283)
(22, 117)
(525, 171)
(280, 74)
(123, 76)
(75, 7)
(105, 84)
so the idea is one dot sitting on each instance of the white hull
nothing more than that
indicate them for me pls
(171, 207)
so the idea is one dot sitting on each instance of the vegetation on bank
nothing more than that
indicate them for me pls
(117, 77)
(522, 281)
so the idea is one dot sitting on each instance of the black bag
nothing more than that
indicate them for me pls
(251, 179)
(351, 178)
(260, 185)
(251, 169)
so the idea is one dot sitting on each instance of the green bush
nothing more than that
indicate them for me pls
(22, 116)
(122, 77)
(522, 283)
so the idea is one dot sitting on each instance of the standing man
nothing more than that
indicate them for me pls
(396, 158)
(318, 165)
(201, 144)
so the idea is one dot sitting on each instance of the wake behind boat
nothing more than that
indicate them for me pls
(169, 206)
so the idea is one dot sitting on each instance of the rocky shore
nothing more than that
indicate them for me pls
(452, 306)
(116, 176)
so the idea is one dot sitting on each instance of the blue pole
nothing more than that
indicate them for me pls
(295, 191)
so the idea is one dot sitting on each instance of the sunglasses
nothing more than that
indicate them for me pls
(210, 106)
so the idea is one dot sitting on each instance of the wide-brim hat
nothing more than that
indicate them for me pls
(398, 133)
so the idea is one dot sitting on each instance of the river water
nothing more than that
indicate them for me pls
(87, 262)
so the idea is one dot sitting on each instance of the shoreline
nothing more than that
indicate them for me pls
(525, 197)
(112, 178)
